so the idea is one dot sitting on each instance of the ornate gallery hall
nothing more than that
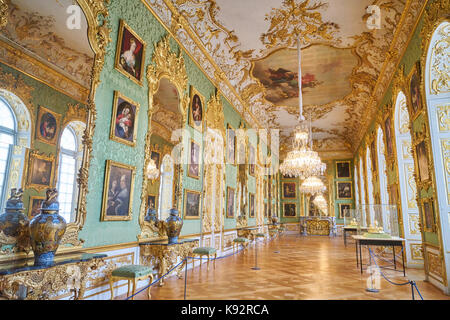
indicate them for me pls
(167, 150)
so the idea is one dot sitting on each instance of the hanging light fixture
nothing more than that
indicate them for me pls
(312, 185)
(152, 171)
(302, 161)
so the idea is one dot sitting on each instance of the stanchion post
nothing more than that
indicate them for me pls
(256, 255)
(412, 289)
(185, 277)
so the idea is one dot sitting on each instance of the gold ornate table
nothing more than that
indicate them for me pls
(247, 232)
(164, 256)
(69, 273)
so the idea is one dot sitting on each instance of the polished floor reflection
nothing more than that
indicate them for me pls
(291, 267)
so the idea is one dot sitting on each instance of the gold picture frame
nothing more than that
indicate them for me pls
(231, 131)
(113, 200)
(38, 170)
(251, 205)
(232, 207)
(115, 132)
(415, 99)
(341, 207)
(34, 205)
(292, 205)
(284, 194)
(118, 65)
(193, 169)
(428, 215)
(196, 194)
(196, 98)
(155, 203)
(46, 120)
(342, 192)
(340, 168)
(251, 160)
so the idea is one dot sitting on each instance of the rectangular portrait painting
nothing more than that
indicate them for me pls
(130, 54)
(194, 160)
(343, 169)
(191, 204)
(124, 120)
(118, 191)
(34, 206)
(289, 190)
(344, 210)
(231, 145)
(414, 89)
(196, 110)
(422, 161)
(289, 210)
(251, 198)
(344, 190)
(151, 201)
(230, 202)
(40, 171)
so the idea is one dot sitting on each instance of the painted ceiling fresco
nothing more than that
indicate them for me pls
(249, 48)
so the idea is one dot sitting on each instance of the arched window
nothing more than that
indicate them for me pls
(406, 183)
(69, 165)
(8, 132)
(384, 196)
(371, 212)
(166, 187)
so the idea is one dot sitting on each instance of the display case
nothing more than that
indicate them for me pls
(377, 221)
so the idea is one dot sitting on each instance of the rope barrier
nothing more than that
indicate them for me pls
(185, 259)
(410, 282)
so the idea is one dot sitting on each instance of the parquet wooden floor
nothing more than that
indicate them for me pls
(292, 267)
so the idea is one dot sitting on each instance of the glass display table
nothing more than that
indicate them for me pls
(21, 279)
(163, 255)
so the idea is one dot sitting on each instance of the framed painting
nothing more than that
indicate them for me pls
(289, 209)
(388, 134)
(118, 191)
(191, 204)
(156, 156)
(344, 190)
(343, 169)
(251, 200)
(422, 161)
(415, 96)
(196, 110)
(344, 210)
(251, 160)
(194, 160)
(151, 201)
(130, 54)
(124, 120)
(231, 145)
(40, 170)
(289, 190)
(34, 206)
(48, 125)
(230, 202)
(428, 215)
(265, 210)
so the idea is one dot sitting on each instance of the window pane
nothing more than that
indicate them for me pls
(7, 118)
(68, 140)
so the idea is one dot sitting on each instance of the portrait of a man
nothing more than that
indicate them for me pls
(193, 167)
(117, 199)
(196, 110)
(343, 169)
(289, 190)
(289, 210)
(344, 190)
(192, 204)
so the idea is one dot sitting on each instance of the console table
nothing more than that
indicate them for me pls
(384, 242)
(248, 232)
(349, 229)
(164, 256)
(69, 273)
(322, 226)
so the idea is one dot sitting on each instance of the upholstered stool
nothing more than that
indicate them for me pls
(260, 235)
(273, 233)
(205, 251)
(131, 272)
(240, 241)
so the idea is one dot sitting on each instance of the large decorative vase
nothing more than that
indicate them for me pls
(274, 220)
(47, 230)
(173, 226)
(13, 221)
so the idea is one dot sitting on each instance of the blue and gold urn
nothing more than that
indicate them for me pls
(13, 220)
(47, 230)
(173, 226)
(151, 216)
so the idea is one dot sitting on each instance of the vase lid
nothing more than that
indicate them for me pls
(50, 203)
(15, 201)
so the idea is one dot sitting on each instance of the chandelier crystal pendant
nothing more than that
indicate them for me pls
(312, 185)
(302, 161)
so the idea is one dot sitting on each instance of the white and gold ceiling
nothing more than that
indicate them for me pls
(247, 48)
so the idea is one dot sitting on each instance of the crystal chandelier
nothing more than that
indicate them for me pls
(320, 202)
(302, 161)
(312, 185)
(152, 171)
